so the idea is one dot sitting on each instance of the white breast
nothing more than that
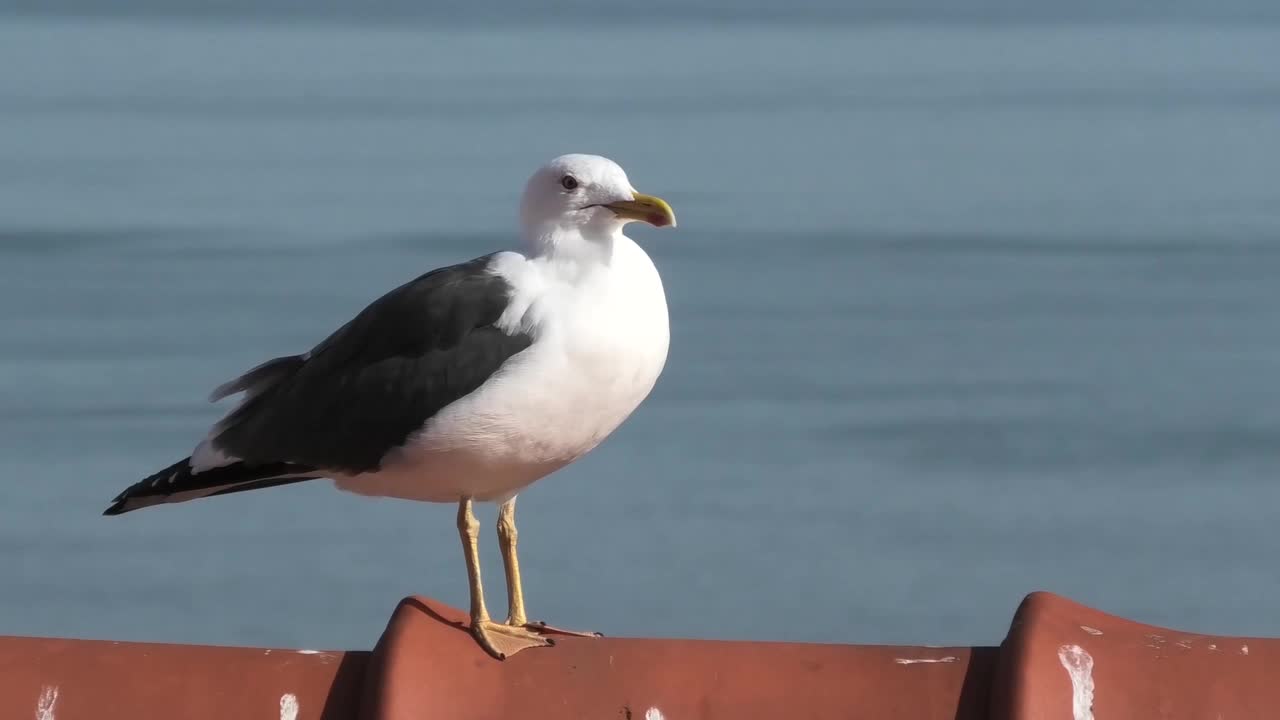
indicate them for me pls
(600, 344)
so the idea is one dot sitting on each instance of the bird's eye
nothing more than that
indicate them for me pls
(568, 182)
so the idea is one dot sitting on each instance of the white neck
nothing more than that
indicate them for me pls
(585, 245)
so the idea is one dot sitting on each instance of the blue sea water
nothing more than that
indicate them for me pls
(960, 310)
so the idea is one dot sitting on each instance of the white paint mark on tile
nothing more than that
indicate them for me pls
(324, 656)
(1079, 665)
(1213, 647)
(1184, 644)
(1244, 649)
(288, 707)
(45, 705)
(1091, 630)
(913, 661)
(653, 713)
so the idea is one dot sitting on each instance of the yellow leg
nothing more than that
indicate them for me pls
(497, 639)
(469, 531)
(508, 538)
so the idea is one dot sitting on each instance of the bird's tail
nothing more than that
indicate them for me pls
(179, 483)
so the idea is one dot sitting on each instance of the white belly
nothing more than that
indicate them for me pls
(548, 406)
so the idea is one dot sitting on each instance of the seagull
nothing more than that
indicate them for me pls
(466, 384)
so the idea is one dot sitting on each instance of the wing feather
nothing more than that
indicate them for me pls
(362, 391)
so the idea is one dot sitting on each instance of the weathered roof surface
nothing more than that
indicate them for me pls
(1059, 660)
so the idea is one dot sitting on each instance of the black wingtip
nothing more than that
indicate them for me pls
(141, 494)
(117, 504)
(177, 483)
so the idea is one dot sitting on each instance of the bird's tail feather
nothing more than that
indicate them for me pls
(179, 483)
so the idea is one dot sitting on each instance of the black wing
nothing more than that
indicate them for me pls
(355, 396)
(179, 483)
(364, 389)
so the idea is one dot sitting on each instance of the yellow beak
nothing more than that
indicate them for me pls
(645, 208)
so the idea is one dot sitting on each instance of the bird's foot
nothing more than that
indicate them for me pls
(502, 641)
(543, 627)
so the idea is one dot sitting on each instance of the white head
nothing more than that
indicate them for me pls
(586, 197)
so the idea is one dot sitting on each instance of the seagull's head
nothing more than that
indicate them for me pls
(587, 195)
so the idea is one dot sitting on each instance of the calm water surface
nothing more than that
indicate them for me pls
(958, 312)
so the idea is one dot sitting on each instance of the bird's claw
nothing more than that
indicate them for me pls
(502, 641)
(543, 626)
